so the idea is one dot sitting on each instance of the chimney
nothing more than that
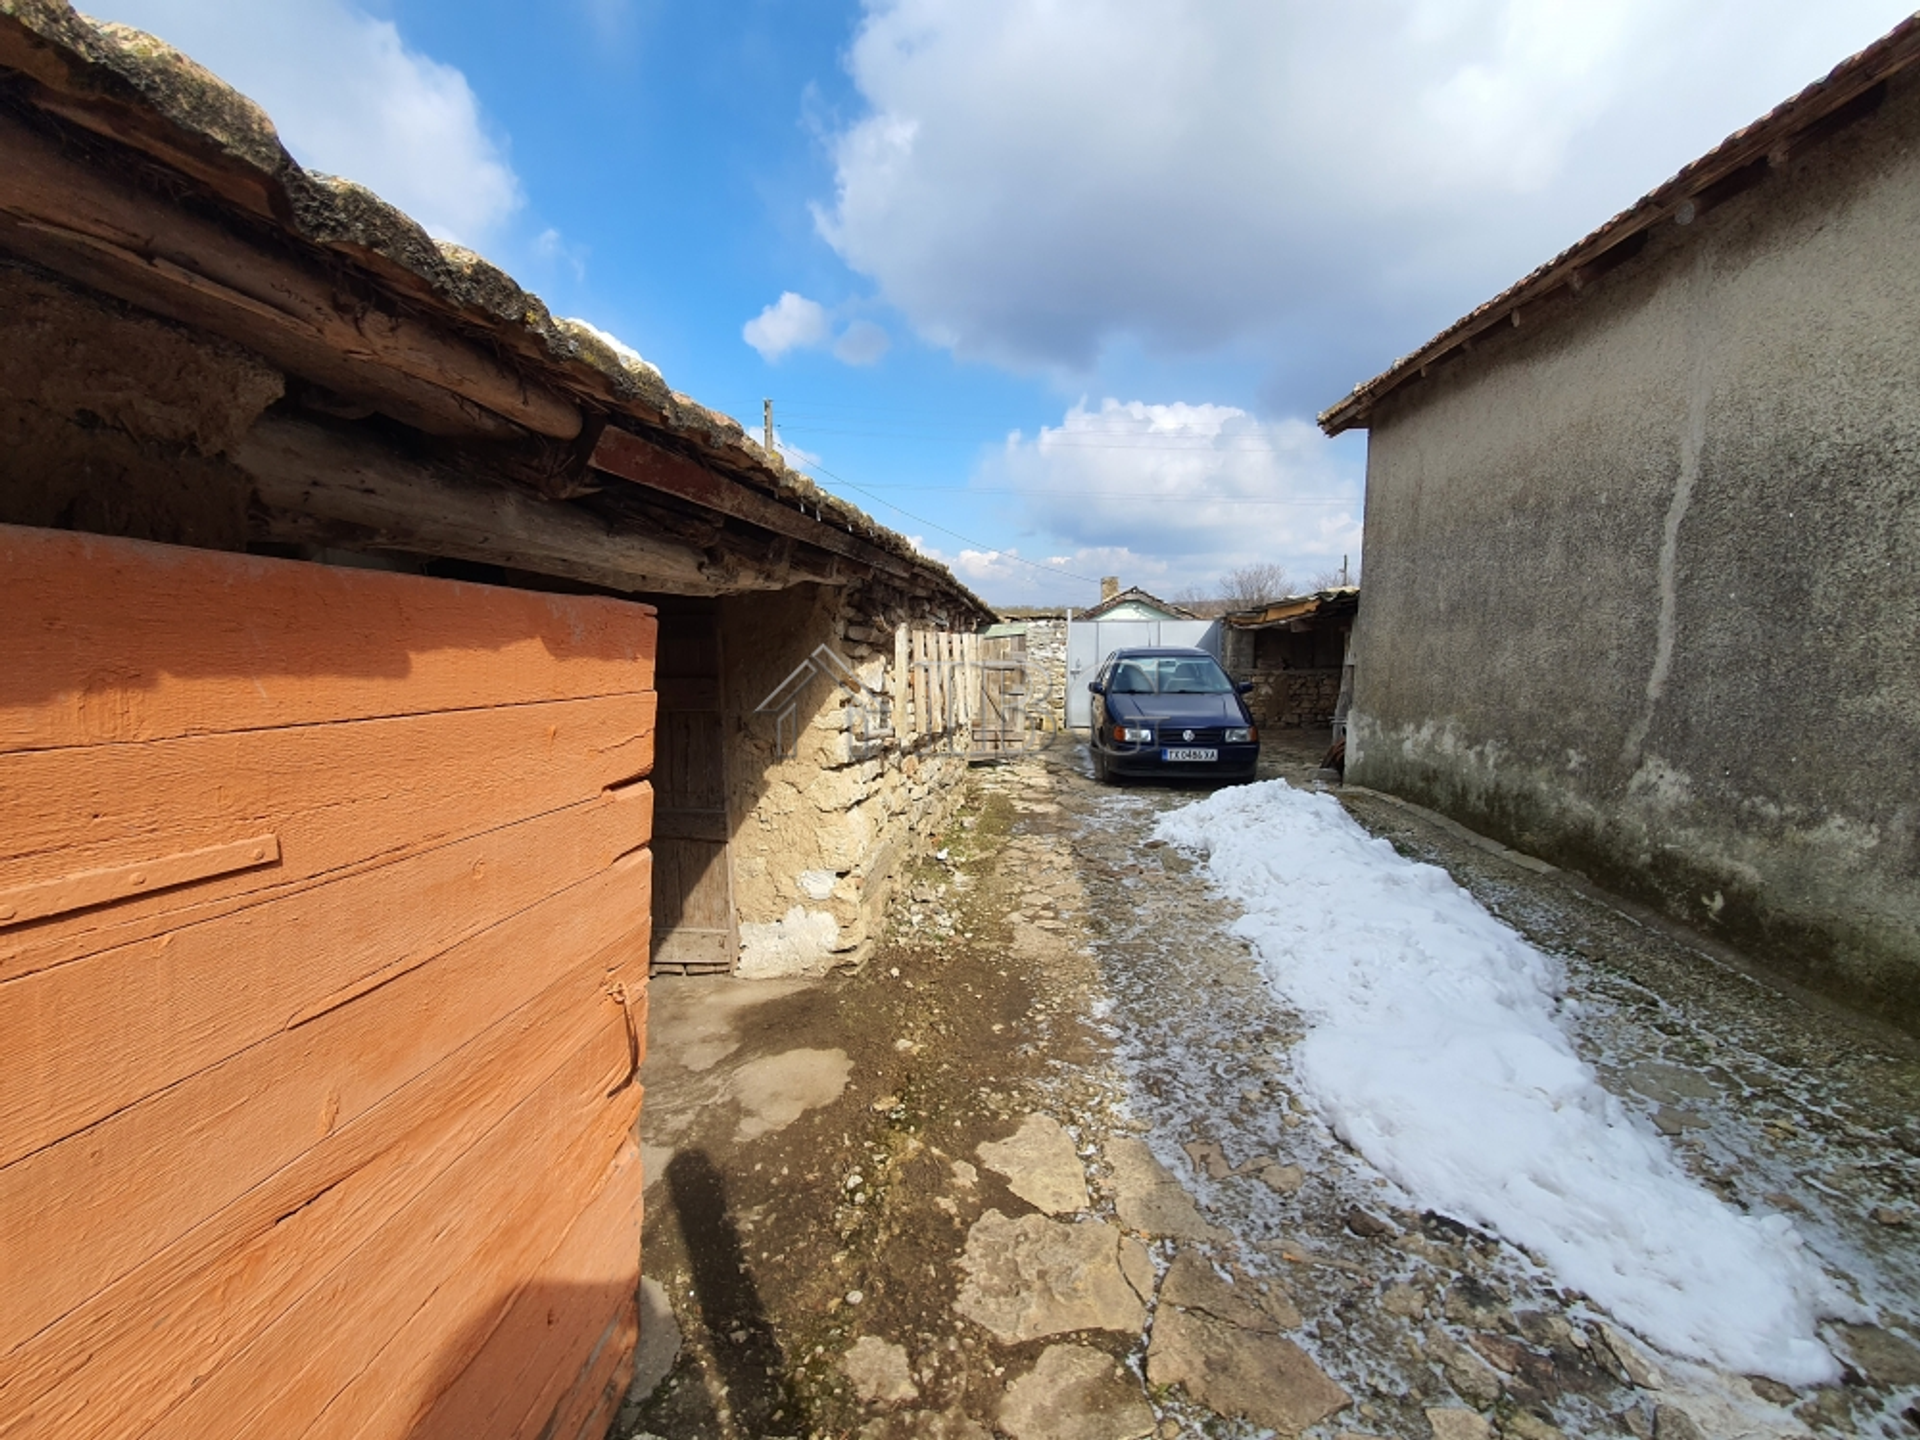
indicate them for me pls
(1109, 587)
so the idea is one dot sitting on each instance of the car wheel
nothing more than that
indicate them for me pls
(1100, 770)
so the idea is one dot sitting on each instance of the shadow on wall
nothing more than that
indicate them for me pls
(152, 612)
(554, 1365)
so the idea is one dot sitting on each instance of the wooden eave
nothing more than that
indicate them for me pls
(132, 171)
(1850, 91)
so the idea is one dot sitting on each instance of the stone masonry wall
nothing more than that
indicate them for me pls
(1294, 697)
(1047, 674)
(821, 836)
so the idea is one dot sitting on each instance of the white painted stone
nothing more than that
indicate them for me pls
(816, 884)
(801, 942)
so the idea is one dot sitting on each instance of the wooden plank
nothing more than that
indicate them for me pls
(587, 1411)
(643, 463)
(458, 1246)
(101, 1202)
(111, 1028)
(118, 640)
(337, 796)
(168, 259)
(99, 1373)
(317, 470)
(902, 689)
(541, 1348)
(83, 889)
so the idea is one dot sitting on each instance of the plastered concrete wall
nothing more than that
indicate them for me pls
(1643, 577)
(821, 835)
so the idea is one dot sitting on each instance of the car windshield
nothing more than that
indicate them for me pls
(1170, 675)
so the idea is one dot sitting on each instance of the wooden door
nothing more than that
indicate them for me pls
(694, 928)
(323, 934)
(1000, 724)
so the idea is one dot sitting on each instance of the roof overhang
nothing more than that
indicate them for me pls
(1853, 89)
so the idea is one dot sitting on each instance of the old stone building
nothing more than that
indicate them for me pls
(1640, 540)
(1295, 653)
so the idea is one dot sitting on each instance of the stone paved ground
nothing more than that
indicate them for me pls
(1041, 1170)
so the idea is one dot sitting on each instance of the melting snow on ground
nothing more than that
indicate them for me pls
(1434, 1050)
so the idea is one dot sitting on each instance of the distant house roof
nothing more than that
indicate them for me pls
(1136, 598)
(189, 206)
(1328, 604)
(1853, 89)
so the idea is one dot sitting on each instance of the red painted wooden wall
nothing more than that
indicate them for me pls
(324, 904)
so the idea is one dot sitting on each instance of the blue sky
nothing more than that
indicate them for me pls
(1054, 287)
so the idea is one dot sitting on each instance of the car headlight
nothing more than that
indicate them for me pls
(1133, 734)
(1242, 734)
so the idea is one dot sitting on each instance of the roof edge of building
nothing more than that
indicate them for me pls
(1740, 160)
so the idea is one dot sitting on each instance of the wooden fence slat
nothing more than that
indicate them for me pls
(111, 640)
(96, 1374)
(111, 1028)
(902, 689)
(334, 795)
(101, 1202)
(922, 685)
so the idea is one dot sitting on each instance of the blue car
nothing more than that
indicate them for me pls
(1168, 711)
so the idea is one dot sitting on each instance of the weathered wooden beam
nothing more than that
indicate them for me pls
(109, 233)
(631, 458)
(303, 469)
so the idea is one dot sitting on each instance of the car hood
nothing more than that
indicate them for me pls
(1178, 709)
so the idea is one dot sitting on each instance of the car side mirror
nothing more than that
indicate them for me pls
(1243, 687)
(1096, 687)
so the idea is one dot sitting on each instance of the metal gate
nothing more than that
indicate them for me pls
(1090, 642)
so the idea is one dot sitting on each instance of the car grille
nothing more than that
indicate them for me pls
(1177, 735)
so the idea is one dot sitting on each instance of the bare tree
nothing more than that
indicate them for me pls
(1201, 600)
(1253, 585)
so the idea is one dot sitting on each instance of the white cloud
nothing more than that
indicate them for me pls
(551, 246)
(350, 98)
(1032, 183)
(1006, 577)
(862, 343)
(1183, 492)
(792, 322)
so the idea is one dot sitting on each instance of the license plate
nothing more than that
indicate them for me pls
(1190, 752)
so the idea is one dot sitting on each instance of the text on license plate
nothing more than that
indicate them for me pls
(1189, 752)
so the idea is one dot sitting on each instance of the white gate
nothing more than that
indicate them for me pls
(1090, 642)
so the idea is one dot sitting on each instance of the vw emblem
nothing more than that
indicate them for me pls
(1186, 734)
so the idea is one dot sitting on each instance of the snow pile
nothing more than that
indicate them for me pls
(1434, 1051)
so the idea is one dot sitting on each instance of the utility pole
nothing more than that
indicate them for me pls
(766, 411)
(1343, 558)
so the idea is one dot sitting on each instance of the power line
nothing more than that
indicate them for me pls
(1185, 497)
(1198, 445)
(965, 540)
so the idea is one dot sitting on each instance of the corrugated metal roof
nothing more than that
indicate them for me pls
(1336, 600)
(1741, 159)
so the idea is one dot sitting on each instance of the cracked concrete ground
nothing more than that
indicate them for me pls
(1041, 1170)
